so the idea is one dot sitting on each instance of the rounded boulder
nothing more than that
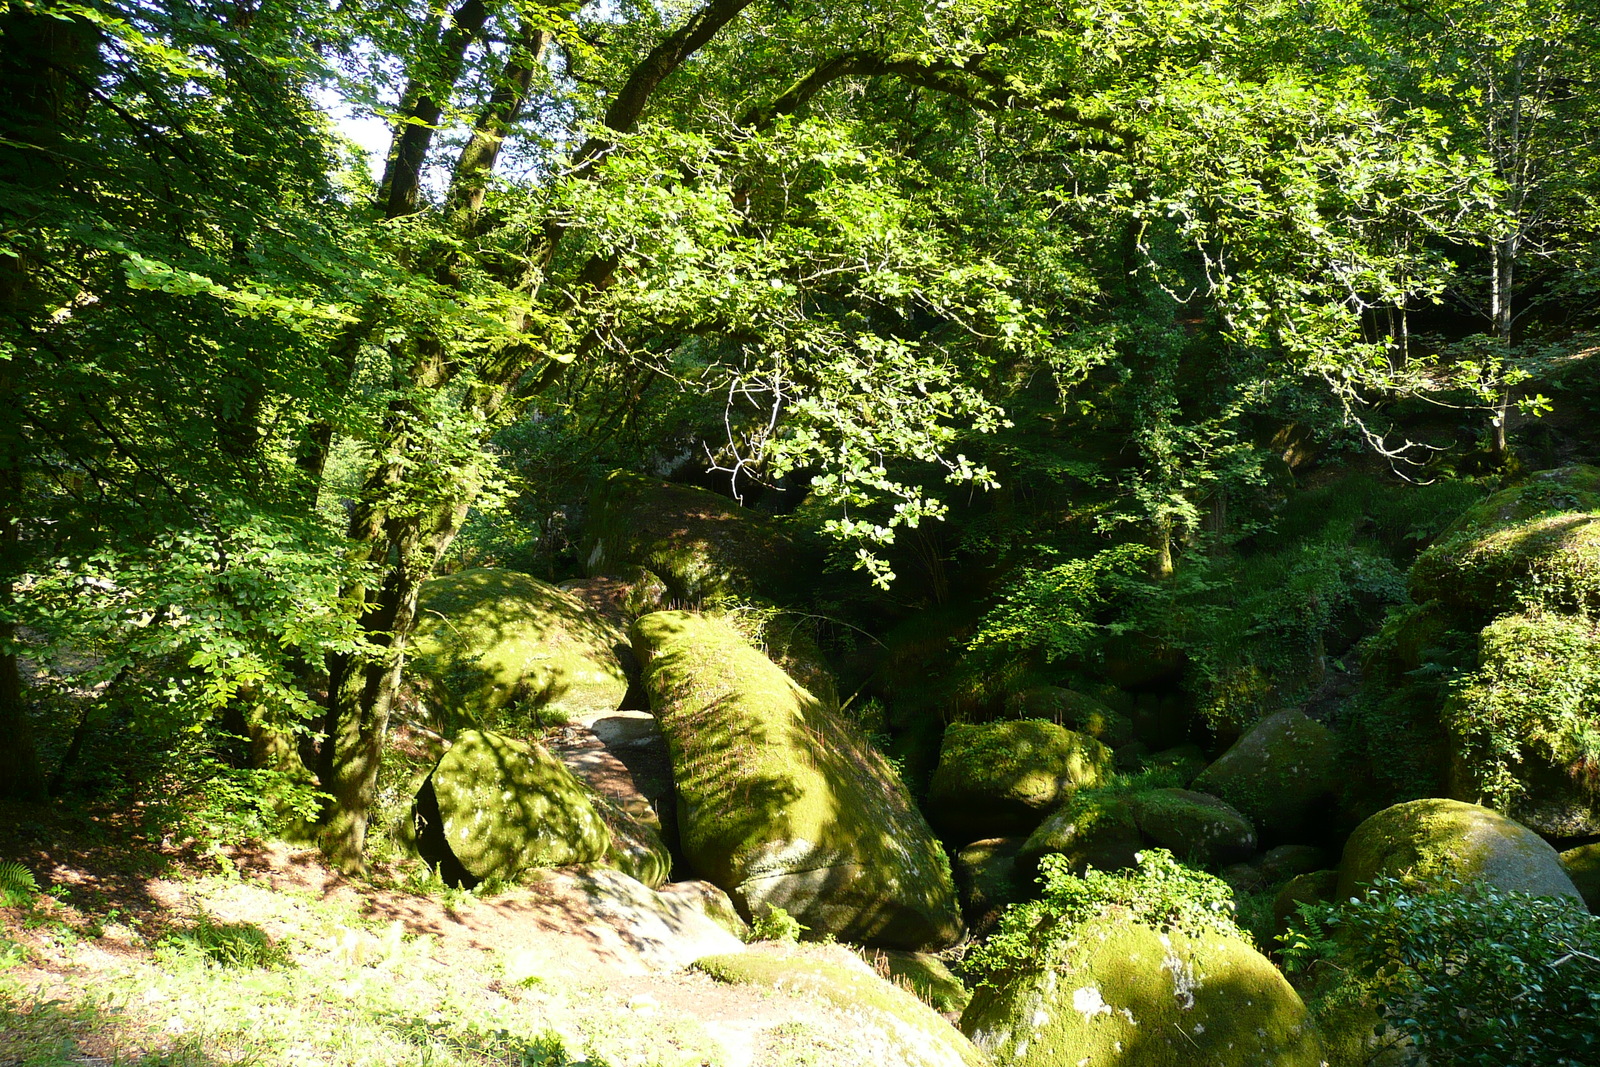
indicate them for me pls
(1114, 993)
(495, 646)
(1426, 838)
(494, 807)
(1281, 774)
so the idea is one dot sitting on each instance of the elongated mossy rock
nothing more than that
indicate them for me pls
(1005, 777)
(1114, 993)
(1539, 539)
(493, 645)
(701, 544)
(779, 804)
(891, 1025)
(1427, 838)
(1282, 775)
(494, 807)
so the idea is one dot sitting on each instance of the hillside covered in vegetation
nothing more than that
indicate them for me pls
(778, 532)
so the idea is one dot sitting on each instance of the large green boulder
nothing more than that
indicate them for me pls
(780, 804)
(1427, 838)
(1195, 827)
(1538, 540)
(1115, 993)
(1094, 829)
(889, 1025)
(499, 648)
(1281, 775)
(1582, 865)
(494, 807)
(988, 879)
(1074, 710)
(1005, 777)
(701, 544)
(1521, 728)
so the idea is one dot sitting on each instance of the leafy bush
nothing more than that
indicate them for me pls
(1160, 892)
(776, 925)
(1472, 975)
(1534, 693)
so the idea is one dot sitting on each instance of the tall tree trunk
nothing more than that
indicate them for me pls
(409, 545)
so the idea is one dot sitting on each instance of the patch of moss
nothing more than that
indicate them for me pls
(895, 1027)
(780, 803)
(1113, 992)
(498, 648)
(922, 975)
(1426, 838)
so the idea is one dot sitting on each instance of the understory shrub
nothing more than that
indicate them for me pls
(1468, 975)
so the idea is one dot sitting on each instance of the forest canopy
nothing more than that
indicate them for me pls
(891, 258)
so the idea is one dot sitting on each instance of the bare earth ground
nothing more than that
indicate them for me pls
(88, 955)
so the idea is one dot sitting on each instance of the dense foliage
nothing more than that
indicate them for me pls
(1469, 974)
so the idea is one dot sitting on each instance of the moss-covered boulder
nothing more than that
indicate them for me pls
(498, 648)
(892, 1025)
(1099, 830)
(1005, 777)
(1582, 865)
(1195, 827)
(1314, 887)
(787, 639)
(923, 975)
(1115, 993)
(1539, 539)
(494, 807)
(1074, 710)
(988, 879)
(783, 806)
(1281, 775)
(1425, 838)
(701, 544)
(1522, 728)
